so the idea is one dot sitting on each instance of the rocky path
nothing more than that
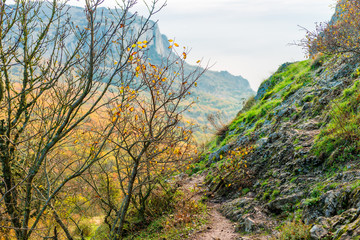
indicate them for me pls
(218, 227)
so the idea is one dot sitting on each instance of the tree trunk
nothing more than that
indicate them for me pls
(134, 172)
(10, 197)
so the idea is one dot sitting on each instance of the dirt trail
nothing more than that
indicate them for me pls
(218, 227)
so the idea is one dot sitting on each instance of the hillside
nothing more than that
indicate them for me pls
(299, 148)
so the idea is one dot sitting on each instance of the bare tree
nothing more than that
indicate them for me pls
(151, 140)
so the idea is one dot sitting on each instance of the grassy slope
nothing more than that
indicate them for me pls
(303, 127)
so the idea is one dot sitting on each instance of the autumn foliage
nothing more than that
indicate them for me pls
(233, 172)
(88, 130)
(340, 36)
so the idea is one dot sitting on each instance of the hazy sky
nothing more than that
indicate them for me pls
(245, 37)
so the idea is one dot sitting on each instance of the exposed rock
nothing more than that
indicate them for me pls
(215, 156)
(286, 112)
(281, 203)
(266, 85)
(249, 224)
(317, 232)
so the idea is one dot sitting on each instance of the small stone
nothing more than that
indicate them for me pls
(317, 232)
(249, 224)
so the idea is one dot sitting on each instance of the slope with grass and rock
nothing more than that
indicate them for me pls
(288, 164)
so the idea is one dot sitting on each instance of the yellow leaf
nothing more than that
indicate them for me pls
(133, 46)
(170, 40)
(115, 63)
(176, 45)
(145, 42)
(198, 61)
(144, 46)
(170, 47)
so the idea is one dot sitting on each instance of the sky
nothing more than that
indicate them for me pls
(251, 38)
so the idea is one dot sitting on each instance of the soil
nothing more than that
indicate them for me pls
(218, 227)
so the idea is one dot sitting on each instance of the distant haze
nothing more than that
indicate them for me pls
(245, 37)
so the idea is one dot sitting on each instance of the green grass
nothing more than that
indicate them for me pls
(308, 98)
(258, 111)
(311, 201)
(298, 148)
(245, 191)
(265, 183)
(283, 83)
(339, 140)
(275, 193)
(293, 179)
(295, 75)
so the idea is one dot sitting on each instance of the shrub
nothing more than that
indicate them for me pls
(248, 104)
(232, 171)
(318, 61)
(295, 230)
(340, 36)
(84, 230)
(217, 121)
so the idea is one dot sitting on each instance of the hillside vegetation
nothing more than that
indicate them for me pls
(287, 166)
(299, 146)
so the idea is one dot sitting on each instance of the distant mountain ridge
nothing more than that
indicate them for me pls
(216, 91)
